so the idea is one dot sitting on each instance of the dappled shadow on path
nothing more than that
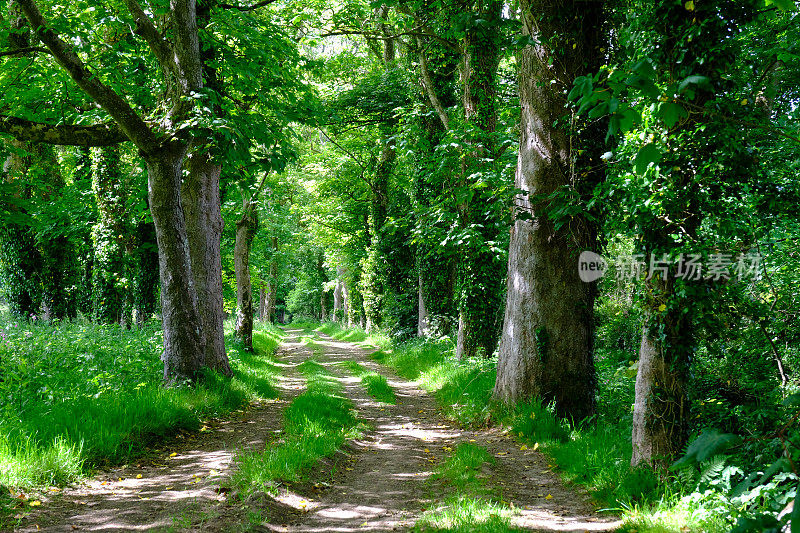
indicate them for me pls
(182, 486)
(390, 484)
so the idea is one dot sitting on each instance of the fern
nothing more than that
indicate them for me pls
(712, 469)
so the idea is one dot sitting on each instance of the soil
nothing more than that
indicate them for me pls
(381, 482)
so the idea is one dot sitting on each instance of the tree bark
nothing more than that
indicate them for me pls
(200, 197)
(262, 298)
(19, 258)
(422, 316)
(183, 354)
(546, 349)
(338, 296)
(111, 236)
(661, 404)
(245, 232)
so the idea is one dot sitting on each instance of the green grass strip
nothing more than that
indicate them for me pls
(81, 396)
(468, 508)
(375, 384)
(316, 424)
(355, 334)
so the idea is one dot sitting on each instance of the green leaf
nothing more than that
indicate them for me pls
(781, 465)
(710, 443)
(792, 400)
(649, 153)
(671, 113)
(700, 81)
(581, 89)
(785, 5)
(794, 517)
(599, 110)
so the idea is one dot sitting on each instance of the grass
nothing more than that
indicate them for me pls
(357, 335)
(468, 509)
(375, 384)
(316, 424)
(463, 388)
(75, 396)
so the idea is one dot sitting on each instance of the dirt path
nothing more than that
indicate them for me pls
(185, 485)
(388, 485)
(380, 483)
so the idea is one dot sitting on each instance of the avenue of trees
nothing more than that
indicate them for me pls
(429, 168)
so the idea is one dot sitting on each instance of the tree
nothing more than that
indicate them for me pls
(163, 151)
(480, 271)
(546, 350)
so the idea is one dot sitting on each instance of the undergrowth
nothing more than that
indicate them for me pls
(316, 424)
(357, 335)
(74, 397)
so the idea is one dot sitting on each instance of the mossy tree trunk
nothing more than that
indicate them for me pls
(546, 350)
(480, 271)
(111, 235)
(246, 228)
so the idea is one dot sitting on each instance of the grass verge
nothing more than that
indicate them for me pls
(79, 396)
(468, 508)
(316, 424)
(375, 384)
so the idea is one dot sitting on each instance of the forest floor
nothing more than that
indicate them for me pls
(383, 481)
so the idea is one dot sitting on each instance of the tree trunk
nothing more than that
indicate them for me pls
(202, 209)
(262, 298)
(82, 177)
(661, 404)
(183, 354)
(338, 296)
(481, 272)
(60, 269)
(245, 232)
(20, 260)
(346, 305)
(546, 350)
(111, 235)
(422, 320)
(272, 283)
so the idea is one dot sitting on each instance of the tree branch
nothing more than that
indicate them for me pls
(380, 37)
(64, 134)
(26, 50)
(157, 44)
(427, 83)
(248, 8)
(345, 150)
(129, 121)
